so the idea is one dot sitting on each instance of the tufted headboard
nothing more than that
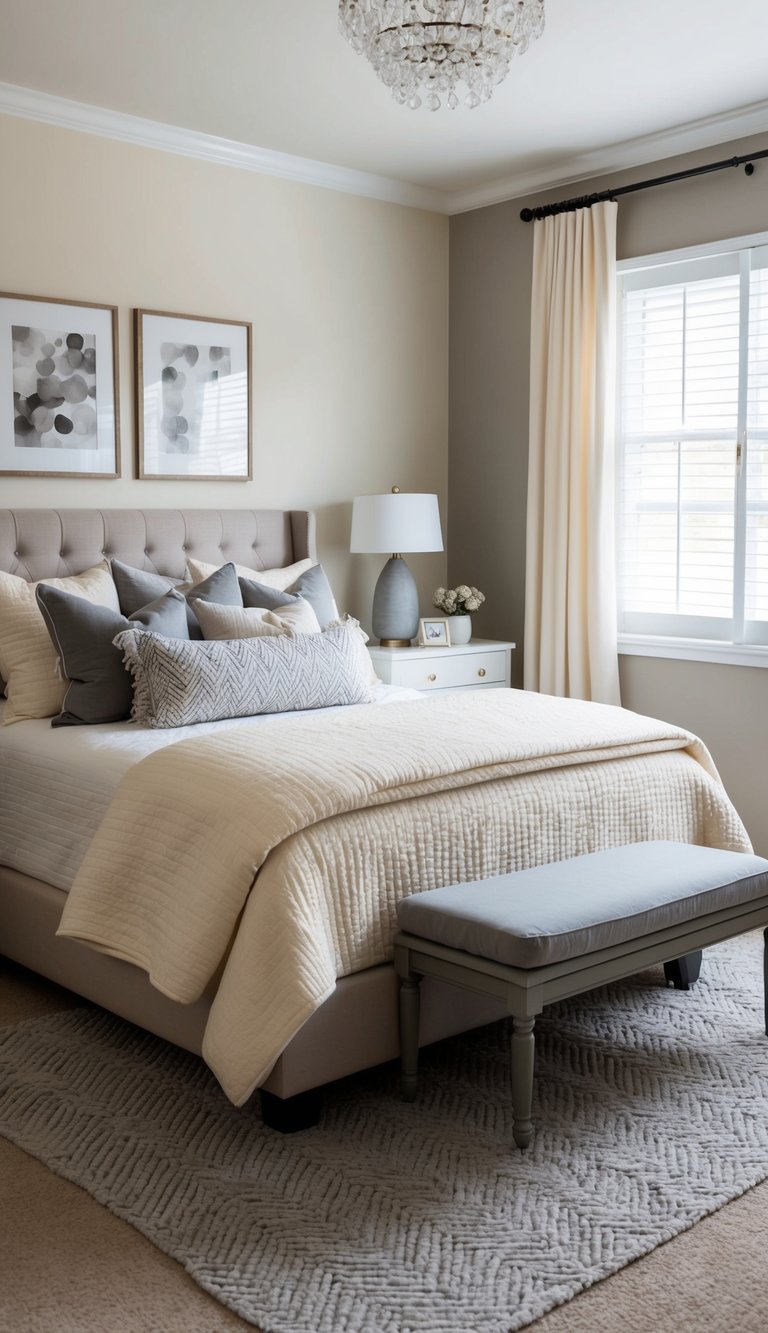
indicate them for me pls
(48, 543)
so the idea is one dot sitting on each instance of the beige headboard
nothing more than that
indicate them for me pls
(49, 543)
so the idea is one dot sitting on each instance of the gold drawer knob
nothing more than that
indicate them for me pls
(432, 676)
(481, 671)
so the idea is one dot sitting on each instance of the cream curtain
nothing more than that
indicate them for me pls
(570, 601)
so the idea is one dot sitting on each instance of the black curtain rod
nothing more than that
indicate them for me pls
(587, 200)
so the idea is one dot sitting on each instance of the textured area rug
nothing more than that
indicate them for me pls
(651, 1110)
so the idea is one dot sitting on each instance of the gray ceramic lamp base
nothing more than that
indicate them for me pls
(395, 605)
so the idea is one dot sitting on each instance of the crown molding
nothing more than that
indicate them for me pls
(686, 138)
(80, 116)
(87, 119)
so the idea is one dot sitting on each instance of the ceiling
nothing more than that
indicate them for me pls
(277, 74)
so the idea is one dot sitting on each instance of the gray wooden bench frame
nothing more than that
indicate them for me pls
(526, 991)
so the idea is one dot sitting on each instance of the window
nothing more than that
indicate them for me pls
(693, 430)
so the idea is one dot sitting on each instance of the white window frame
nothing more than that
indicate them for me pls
(698, 649)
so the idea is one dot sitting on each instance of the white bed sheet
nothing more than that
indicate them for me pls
(56, 782)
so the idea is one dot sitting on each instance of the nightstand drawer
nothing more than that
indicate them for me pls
(451, 672)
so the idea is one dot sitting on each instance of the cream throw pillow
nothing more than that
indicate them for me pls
(272, 578)
(250, 622)
(34, 684)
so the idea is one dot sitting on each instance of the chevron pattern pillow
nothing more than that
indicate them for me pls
(179, 682)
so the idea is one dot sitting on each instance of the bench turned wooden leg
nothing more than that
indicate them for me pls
(522, 1080)
(409, 1035)
(683, 971)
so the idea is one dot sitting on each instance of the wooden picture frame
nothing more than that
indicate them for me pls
(434, 632)
(193, 397)
(59, 388)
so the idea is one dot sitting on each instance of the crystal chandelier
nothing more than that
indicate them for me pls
(424, 50)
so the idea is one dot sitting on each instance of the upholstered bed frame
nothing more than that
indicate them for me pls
(357, 1026)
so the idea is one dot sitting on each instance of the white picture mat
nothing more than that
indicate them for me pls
(224, 430)
(434, 632)
(86, 320)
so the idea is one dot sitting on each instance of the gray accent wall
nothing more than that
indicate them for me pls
(490, 280)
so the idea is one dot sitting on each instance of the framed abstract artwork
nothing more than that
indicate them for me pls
(58, 388)
(193, 397)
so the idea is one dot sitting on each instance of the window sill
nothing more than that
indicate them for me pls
(694, 650)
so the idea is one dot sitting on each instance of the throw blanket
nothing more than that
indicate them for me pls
(272, 860)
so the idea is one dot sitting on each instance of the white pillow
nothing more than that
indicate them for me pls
(272, 578)
(250, 622)
(29, 664)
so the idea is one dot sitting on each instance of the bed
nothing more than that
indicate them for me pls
(489, 812)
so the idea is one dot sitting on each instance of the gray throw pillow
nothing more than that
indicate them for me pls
(136, 588)
(177, 684)
(312, 585)
(221, 586)
(100, 689)
(268, 599)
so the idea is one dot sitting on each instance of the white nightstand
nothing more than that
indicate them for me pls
(483, 664)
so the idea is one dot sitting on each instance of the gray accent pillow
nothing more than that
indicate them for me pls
(99, 687)
(221, 586)
(177, 684)
(312, 585)
(259, 595)
(136, 588)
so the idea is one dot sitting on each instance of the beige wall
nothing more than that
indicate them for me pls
(491, 251)
(348, 299)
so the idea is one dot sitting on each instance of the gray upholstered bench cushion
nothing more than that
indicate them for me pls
(571, 908)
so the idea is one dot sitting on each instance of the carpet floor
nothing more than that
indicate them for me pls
(429, 1180)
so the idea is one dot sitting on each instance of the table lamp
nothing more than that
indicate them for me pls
(395, 522)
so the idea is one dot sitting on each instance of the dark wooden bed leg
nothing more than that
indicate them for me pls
(683, 971)
(288, 1115)
(765, 976)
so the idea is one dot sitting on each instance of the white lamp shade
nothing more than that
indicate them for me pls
(395, 523)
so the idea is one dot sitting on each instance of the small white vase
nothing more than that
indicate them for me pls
(460, 629)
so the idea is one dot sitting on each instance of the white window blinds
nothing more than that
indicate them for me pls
(693, 429)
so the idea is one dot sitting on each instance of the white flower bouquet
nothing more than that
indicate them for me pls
(461, 601)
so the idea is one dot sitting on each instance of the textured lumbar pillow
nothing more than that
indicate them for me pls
(99, 688)
(28, 661)
(239, 622)
(176, 684)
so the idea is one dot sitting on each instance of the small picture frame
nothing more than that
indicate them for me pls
(434, 632)
(59, 409)
(193, 397)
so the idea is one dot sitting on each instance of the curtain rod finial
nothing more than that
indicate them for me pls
(526, 215)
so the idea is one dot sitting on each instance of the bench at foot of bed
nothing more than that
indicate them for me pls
(558, 930)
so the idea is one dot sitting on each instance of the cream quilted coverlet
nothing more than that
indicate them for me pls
(271, 860)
